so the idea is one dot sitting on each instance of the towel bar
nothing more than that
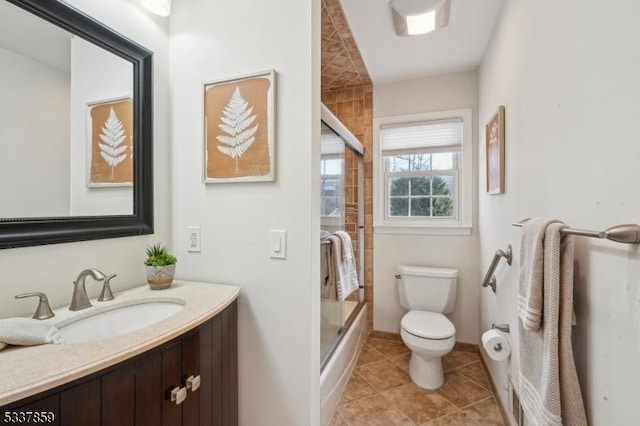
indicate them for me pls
(628, 233)
(489, 279)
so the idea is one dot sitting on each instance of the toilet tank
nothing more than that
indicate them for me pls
(427, 289)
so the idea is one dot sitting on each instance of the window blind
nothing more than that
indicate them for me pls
(421, 137)
(330, 143)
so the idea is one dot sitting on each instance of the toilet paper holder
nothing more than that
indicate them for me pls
(504, 328)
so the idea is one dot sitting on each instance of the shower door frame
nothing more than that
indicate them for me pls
(352, 143)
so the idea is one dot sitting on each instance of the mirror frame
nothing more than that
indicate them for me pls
(22, 232)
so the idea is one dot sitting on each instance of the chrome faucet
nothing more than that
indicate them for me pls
(44, 309)
(80, 300)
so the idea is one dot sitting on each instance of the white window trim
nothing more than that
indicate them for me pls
(460, 226)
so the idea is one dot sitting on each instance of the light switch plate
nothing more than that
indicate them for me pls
(278, 244)
(193, 233)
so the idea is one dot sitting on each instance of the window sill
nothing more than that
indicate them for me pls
(423, 230)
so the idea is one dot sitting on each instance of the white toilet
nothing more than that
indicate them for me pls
(428, 293)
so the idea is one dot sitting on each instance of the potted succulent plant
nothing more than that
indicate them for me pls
(160, 266)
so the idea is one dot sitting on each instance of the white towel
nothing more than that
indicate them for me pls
(26, 332)
(347, 276)
(550, 391)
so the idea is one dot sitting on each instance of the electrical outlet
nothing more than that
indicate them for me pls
(194, 238)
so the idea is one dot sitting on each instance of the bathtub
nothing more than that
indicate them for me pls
(338, 369)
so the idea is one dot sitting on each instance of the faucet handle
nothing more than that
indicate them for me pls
(106, 293)
(44, 310)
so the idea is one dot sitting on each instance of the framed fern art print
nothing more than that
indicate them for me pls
(110, 147)
(239, 129)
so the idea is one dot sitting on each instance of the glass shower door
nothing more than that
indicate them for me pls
(332, 219)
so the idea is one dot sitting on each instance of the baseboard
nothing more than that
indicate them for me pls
(505, 418)
(386, 335)
(466, 347)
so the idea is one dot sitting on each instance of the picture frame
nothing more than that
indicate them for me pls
(239, 129)
(110, 142)
(494, 141)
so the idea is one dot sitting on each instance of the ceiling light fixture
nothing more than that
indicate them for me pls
(159, 7)
(415, 17)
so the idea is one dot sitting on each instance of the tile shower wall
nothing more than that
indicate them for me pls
(354, 107)
(347, 91)
(342, 65)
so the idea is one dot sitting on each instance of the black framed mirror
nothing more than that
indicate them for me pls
(34, 223)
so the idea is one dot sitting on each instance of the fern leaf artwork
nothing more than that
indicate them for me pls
(113, 150)
(236, 123)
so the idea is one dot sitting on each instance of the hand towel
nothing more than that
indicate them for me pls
(347, 277)
(550, 391)
(27, 332)
(531, 272)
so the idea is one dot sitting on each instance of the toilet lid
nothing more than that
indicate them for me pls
(428, 325)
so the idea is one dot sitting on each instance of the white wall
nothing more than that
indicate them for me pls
(429, 94)
(279, 312)
(96, 76)
(34, 137)
(53, 268)
(568, 75)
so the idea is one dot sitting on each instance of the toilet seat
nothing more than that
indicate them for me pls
(428, 325)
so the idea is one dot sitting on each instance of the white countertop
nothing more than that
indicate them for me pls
(28, 370)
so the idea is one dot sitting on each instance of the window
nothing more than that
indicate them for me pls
(424, 178)
(331, 189)
(421, 185)
(331, 173)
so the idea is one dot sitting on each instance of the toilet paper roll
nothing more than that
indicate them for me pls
(496, 344)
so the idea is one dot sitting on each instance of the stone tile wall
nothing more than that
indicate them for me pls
(347, 91)
(354, 108)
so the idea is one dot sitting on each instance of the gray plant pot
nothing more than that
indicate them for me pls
(160, 277)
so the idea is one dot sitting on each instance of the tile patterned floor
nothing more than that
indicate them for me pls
(380, 391)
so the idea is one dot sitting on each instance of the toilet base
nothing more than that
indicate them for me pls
(426, 373)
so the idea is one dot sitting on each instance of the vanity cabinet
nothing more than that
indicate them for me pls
(199, 368)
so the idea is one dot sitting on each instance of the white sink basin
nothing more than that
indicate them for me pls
(103, 322)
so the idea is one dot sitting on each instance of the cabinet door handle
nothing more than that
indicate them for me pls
(178, 395)
(193, 383)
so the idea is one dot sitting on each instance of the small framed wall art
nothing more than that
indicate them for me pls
(110, 143)
(239, 129)
(494, 137)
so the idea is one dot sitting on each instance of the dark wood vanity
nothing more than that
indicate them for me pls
(138, 391)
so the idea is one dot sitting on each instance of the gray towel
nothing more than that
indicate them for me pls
(328, 274)
(549, 384)
(530, 297)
